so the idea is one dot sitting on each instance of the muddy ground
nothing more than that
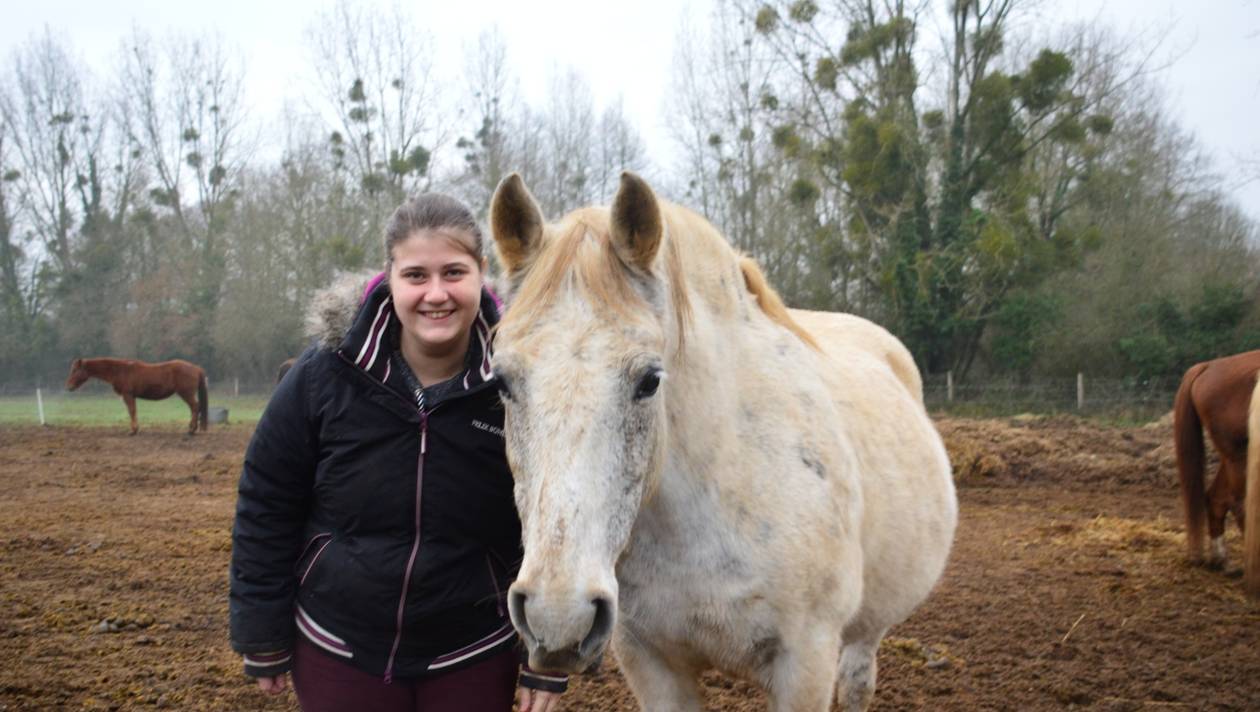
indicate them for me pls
(1066, 589)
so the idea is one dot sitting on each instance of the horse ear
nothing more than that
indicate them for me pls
(516, 222)
(637, 227)
(76, 363)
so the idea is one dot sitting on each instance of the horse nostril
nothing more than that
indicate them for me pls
(601, 627)
(516, 611)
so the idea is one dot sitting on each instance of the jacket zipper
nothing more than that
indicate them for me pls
(415, 546)
(415, 549)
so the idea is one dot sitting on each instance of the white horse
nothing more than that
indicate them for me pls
(700, 480)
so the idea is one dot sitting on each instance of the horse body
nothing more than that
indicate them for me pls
(1216, 396)
(133, 379)
(284, 368)
(780, 574)
(775, 503)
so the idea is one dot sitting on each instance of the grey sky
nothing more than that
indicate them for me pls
(626, 48)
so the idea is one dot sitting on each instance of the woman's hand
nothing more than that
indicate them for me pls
(537, 700)
(273, 685)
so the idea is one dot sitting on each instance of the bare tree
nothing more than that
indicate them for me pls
(70, 196)
(727, 113)
(184, 105)
(182, 101)
(49, 126)
(503, 136)
(21, 293)
(620, 148)
(376, 75)
(568, 179)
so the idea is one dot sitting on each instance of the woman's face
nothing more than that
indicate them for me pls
(437, 291)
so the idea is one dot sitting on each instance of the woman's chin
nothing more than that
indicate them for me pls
(439, 336)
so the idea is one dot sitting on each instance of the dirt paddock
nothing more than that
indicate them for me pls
(1066, 589)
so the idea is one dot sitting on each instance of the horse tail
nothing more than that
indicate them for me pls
(1251, 507)
(1188, 442)
(770, 301)
(203, 401)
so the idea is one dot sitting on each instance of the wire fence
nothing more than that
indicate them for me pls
(1119, 398)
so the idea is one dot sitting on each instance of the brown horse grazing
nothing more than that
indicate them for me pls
(284, 368)
(1218, 396)
(150, 381)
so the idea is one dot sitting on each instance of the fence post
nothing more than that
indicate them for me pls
(39, 400)
(236, 387)
(1080, 391)
(949, 386)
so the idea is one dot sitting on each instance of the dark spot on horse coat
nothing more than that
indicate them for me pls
(764, 650)
(829, 583)
(810, 458)
(750, 416)
(764, 531)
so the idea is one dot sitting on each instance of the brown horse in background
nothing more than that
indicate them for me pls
(284, 368)
(150, 381)
(1219, 396)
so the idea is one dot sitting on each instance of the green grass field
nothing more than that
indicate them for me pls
(107, 409)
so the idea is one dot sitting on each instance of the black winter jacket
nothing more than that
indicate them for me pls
(381, 528)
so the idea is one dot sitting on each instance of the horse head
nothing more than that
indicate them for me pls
(581, 358)
(78, 374)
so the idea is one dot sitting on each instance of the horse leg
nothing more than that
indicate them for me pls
(1220, 498)
(858, 667)
(657, 682)
(1239, 511)
(130, 400)
(191, 399)
(1238, 492)
(803, 677)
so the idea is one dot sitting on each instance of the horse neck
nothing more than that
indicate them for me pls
(707, 367)
(106, 369)
(717, 299)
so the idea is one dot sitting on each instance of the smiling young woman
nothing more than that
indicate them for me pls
(376, 533)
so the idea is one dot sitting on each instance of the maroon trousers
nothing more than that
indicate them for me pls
(324, 684)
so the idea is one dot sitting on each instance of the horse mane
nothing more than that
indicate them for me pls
(101, 366)
(581, 256)
(770, 301)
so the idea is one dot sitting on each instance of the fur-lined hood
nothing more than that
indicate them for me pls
(332, 309)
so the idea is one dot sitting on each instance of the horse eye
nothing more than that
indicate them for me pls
(648, 384)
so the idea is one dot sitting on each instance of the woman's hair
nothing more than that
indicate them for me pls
(437, 212)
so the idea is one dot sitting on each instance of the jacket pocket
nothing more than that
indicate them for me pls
(310, 554)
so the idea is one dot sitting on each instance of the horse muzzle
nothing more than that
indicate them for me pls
(563, 633)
